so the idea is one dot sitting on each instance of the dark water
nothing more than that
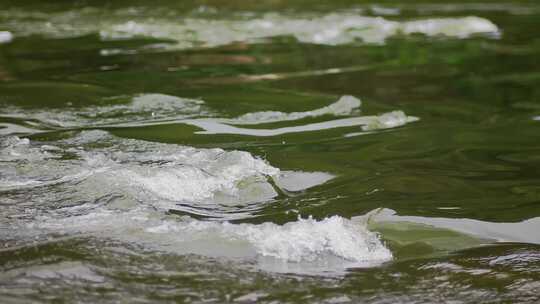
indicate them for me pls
(272, 151)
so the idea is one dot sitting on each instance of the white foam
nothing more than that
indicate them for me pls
(141, 107)
(24, 165)
(156, 109)
(9, 128)
(344, 106)
(198, 180)
(5, 37)
(308, 239)
(211, 126)
(168, 175)
(388, 120)
(452, 27)
(302, 241)
(160, 102)
(13, 148)
(331, 29)
(189, 32)
(128, 185)
(209, 182)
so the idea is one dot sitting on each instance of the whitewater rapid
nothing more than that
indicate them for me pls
(99, 185)
(178, 31)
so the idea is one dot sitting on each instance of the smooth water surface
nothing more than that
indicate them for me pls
(271, 151)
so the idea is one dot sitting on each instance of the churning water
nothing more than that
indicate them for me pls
(269, 152)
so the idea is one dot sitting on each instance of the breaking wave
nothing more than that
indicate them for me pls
(330, 245)
(303, 240)
(166, 176)
(100, 185)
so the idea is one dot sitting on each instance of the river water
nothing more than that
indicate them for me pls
(271, 152)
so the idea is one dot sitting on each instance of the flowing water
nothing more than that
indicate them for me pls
(269, 151)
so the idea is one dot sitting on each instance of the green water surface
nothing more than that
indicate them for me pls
(473, 154)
